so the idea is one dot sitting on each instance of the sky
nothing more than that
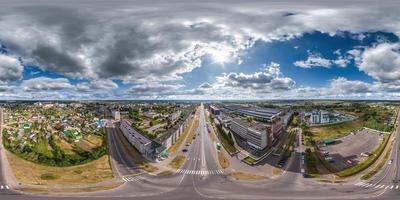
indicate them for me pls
(211, 50)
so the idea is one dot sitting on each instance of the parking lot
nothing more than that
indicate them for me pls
(351, 149)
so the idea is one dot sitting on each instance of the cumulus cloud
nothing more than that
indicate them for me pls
(46, 84)
(316, 60)
(10, 68)
(382, 62)
(268, 80)
(342, 85)
(96, 85)
(157, 89)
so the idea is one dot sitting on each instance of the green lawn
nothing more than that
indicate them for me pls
(336, 130)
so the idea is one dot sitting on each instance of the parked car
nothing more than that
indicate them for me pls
(184, 150)
(365, 154)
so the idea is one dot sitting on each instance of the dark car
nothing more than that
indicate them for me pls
(184, 150)
(282, 162)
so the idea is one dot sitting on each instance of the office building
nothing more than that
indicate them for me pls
(255, 134)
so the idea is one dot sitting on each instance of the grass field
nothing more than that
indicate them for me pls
(336, 130)
(31, 173)
(222, 160)
(177, 162)
(70, 190)
(64, 145)
(246, 176)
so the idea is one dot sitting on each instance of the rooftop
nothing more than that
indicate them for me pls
(139, 137)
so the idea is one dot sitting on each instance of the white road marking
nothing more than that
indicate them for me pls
(382, 187)
(197, 172)
(7, 187)
(397, 187)
(131, 179)
(2, 186)
(386, 187)
(378, 186)
(391, 187)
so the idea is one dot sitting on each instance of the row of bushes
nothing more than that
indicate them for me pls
(226, 139)
(366, 163)
(310, 162)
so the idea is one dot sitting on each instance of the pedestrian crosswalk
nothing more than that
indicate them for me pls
(131, 178)
(4, 187)
(378, 186)
(200, 172)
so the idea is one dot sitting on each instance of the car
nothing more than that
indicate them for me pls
(390, 162)
(187, 144)
(365, 154)
(184, 150)
(350, 162)
(328, 158)
(282, 162)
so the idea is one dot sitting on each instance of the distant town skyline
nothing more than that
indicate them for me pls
(199, 50)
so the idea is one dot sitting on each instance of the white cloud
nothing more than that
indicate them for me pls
(266, 81)
(382, 62)
(45, 84)
(97, 85)
(342, 85)
(316, 60)
(10, 68)
(313, 60)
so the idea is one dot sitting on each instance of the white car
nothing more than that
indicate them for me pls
(390, 162)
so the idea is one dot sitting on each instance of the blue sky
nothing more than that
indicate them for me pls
(200, 51)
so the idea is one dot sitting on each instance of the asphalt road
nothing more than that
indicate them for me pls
(202, 157)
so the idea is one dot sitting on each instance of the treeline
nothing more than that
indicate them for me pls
(378, 120)
(56, 156)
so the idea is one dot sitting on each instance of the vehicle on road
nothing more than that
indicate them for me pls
(282, 162)
(184, 150)
(390, 162)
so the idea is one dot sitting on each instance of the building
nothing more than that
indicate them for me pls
(261, 114)
(148, 148)
(171, 136)
(255, 134)
(175, 115)
(214, 110)
(116, 115)
(319, 117)
(286, 118)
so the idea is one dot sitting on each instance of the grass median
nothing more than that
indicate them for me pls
(192, 132)
(222, 160)
(177, 162)
(246, 176)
